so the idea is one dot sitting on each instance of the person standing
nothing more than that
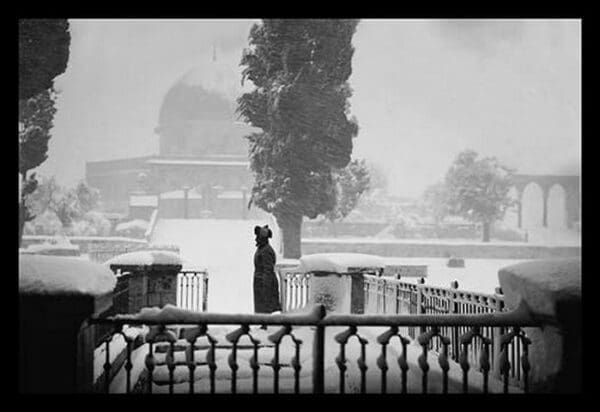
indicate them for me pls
(266, 289)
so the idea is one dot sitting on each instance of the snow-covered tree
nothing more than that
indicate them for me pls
(35, 118)
(434, 201)
(300, 70)
(43, 55)
(477, 189)
(350, 184)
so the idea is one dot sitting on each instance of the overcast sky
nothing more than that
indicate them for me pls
(423, 91)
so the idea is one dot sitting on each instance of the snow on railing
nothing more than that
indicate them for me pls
(393, 296)
(187, 351)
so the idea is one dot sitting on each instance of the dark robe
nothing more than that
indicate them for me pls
(266, 288)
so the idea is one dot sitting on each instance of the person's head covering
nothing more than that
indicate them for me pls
(263, 232)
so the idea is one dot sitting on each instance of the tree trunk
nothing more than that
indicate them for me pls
(291, 227)
(486, 231)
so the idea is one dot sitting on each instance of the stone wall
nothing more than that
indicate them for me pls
(441, 250)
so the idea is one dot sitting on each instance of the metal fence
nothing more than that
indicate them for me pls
(181, 351)
(293, 288)
(393, 296)
(192, 290)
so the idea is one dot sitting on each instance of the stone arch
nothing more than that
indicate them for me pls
(511, 217)
(557, 207)
(532, 206)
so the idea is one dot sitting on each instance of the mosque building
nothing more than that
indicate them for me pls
(202, 168)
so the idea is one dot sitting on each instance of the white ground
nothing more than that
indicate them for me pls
(478, 275)
(226, 248)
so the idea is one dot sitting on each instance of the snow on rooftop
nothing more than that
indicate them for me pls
(146, 258)
(132, 224)
(339, 262)
(55, 275)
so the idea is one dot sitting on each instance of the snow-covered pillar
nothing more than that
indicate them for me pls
(551, 290)
(57, 295)
(153, 280)
(337, 279)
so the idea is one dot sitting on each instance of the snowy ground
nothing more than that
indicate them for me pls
(226, 248)
(478, 275)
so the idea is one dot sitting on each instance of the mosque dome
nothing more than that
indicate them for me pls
(197, 115)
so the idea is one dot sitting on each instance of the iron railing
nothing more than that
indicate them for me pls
(389, 295)
(183, 351)
(192, 290)
(293, 288)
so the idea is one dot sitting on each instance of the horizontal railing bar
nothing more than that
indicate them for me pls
(178, 316)
(518, 317)
(506, 319)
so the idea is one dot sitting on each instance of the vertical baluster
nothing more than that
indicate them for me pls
(170, 358)
(128, 366)
(503, 359)
(424, 365)
(341, 363)
(276, 366)
(444, 364)
(178, 300)
(382, 364)
(191, 290)
(191, 362)
(402, 362)
(362, 365)
(150, 365)
(212, 364)
(205, 292)
(255, 366)
(484, 363)
(107, 366)
(464, 362)
(297, 366)
(233, 366)
(518, 360)
(525, 364)
(318, 378)
(512, 358)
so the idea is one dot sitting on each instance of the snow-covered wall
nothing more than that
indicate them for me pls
(415, 248)
(54, 275)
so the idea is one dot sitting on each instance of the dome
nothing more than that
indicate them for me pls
(197, 115)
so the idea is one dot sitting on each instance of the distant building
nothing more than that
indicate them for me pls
(203, 157)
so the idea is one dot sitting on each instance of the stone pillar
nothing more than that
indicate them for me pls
(56, 343)
(153, 277)
(339, 292)
(551, 289)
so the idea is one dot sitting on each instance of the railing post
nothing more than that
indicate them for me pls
(420, 301)
(383, 295)
(318, 373)
(496, 334)
(550, 290)
(397, 295)
(454, 308)
(56, 343)
(205, 292)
